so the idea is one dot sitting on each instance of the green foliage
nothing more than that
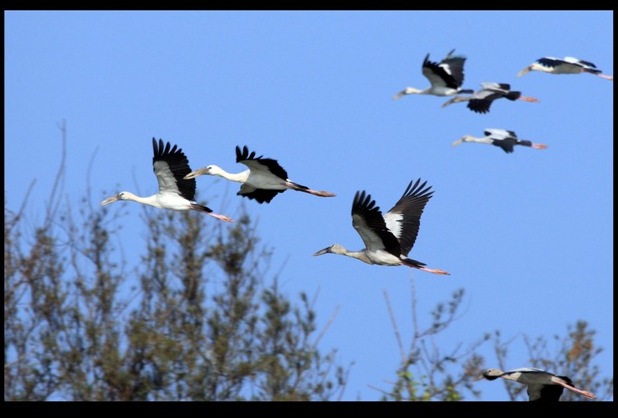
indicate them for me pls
(197, 318)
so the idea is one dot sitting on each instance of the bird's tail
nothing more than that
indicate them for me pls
(513, 95)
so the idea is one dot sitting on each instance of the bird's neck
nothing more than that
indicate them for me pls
(359, 255)
(414, 90)
(148, 200)
(483, 140)
(237, 177)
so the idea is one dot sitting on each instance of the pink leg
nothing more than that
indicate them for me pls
(435, 271)
(528, 99)
(221, 217)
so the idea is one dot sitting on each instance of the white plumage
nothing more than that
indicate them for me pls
(170, 165)
(481, 100)
(542, 386)
(446, 77)
(264, 179)
(502, 138)
(388, 238)
(566, 65)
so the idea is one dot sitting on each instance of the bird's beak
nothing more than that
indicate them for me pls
(476, 379)
(523, 72)
(399, 95)
(455, 143)
(449, 102)
(196, 173)
(110, 200)
(323, 251)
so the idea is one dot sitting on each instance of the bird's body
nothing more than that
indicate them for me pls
(542, 386)
(170, 165)
(566, 65)
(481, 100)
(388, 238)
(502, 138)
(446, 77)
(263, 180)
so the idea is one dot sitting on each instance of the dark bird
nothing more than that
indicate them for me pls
(388, 238)
(481, 100)
(502, 138)
(446, 77)
(170, 165)
(264, 179)
(566, 65)
(542, 386)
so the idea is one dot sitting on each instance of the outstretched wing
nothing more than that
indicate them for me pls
(404, 219)
(259, 163)
(170, 165)
(368, 221)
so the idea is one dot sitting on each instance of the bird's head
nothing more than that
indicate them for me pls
(209, 170)
(461, 140)
(116, 197)
(524, 71)
(455, 99)
(406, 91)
(490, 374)
(333, 249)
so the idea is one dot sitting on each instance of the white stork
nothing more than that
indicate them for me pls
(446, 77)
(566, 65)
(170, 165)
(542, 386)
(388, 238)
(502, 138)
(264, 179)
(481, 100)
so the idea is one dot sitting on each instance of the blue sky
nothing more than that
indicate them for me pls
(528, 235)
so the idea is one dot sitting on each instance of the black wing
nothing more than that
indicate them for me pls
(170, 165)
(507, 144)
(368, 221)
(544, 393)
(404, 218)
(260, 195)
(550, 62)
(448, 72)
(272, 165)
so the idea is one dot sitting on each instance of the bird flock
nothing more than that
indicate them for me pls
(390, 236)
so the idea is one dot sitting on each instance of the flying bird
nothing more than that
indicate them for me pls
(502, 138)
(446, 77)
(542, 386)
(264, 179)
(170, 165)
(566, 65)
(481, 100)
(388, 238)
